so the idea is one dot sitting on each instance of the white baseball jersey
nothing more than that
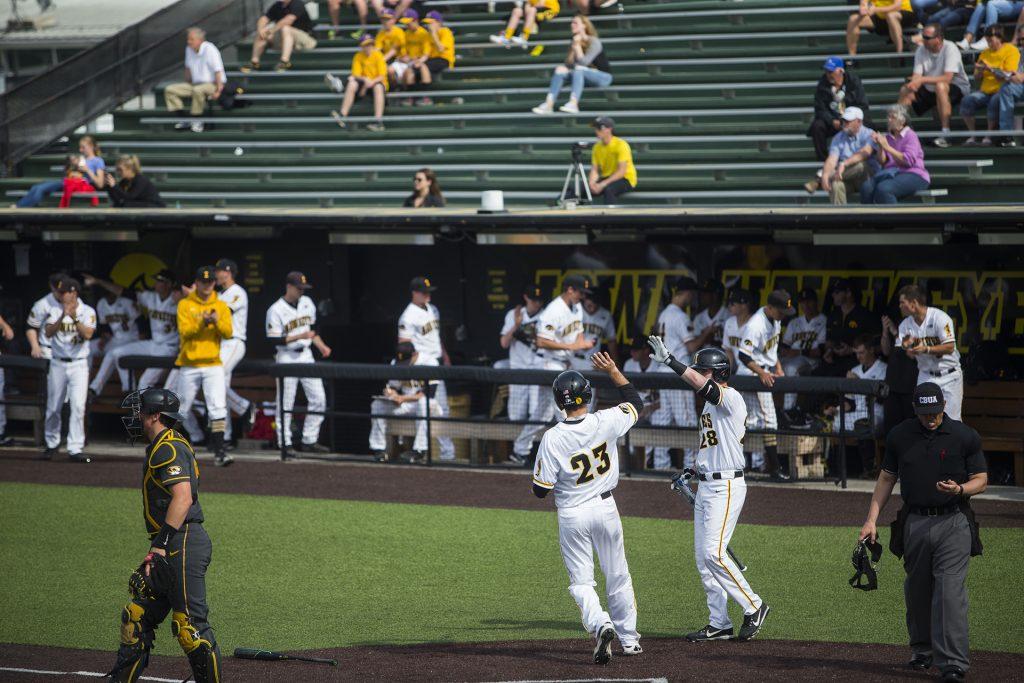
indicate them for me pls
(237, 299)
(422, 326)
(722, 427)
(562, 324)
(38, 316)
(937, 328)
(704, 320)
(579, 459)
(676, 329)
(598, 327)
(760, 339)
(860, 402)
(120, 316)
(163, 316)
(285, 320)
(67, 343)
(521, 355)
(805, 335)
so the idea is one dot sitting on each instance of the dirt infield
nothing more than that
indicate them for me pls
(550, 660)
(781, 505)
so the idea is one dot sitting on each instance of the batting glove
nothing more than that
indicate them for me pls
(658, 348)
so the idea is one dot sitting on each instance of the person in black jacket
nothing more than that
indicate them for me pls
(133, 190)
(426, 193)
(837, 89)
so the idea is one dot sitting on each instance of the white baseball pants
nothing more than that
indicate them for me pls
(952, 386)
(676, 408)
(150, 376)
(70, 380)
(379, 425)
(544, 414)
(109, 364)
(595, 525)
(761, 415)
(792, 367)
(441, 401)
(192, 427)
(211, 379)
(232, 351)
(715, 513)
(522, 401)
(316, 400)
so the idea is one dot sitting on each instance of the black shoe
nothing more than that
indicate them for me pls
(313, 448)
(603, 649)
(48, 454)
(414, 457)
(222, 460)
(250, 414)
(920, 662)
(952, 674)
(380, 456)
(780, 478)
(709, 632)
(6, 440)
(752, 623)
(79, 457)
(289, 456)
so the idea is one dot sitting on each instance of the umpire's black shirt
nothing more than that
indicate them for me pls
(921, 457)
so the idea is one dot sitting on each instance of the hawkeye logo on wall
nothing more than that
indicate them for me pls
(136, 270)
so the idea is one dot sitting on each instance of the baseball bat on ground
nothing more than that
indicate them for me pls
(271, 656)
(681, 485)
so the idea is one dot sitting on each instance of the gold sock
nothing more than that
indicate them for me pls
(526, 34)
(509, 32)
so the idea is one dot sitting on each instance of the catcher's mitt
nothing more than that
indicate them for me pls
(157, 584)
(866, 566)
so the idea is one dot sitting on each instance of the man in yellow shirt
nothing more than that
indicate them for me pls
(440, 53)
(612, 172)
(884, 17)
(203, 320)
(994, 68)
(369, 74)
(415, 54)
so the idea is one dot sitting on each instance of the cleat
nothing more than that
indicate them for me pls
(223, 460)
(603, 649)
(632, 650)
(48, 454)
(79, 457)
(313, 448)
(752, 623)
(709, 632)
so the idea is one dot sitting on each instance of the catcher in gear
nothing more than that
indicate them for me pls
(172, 577)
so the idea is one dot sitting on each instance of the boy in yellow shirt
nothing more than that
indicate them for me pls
(995, 67)
(884, 17)
(612, 172)
(390, 41)
(416, 50)
(534, 11)
(369, 74)
(439, 57)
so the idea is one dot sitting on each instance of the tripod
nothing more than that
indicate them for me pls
(577, 176)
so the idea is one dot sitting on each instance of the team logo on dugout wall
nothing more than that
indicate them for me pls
(136, 270)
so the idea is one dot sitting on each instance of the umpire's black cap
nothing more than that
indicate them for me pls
(928, 399)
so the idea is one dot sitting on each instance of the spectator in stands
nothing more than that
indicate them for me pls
(440, 54)
(133, 190)
(849, 162)
(369, 75)
(939, 80)
(89, 165)
(985, 16)
(534, 12)
(426, 191)
(415, 54)
(204, 79)
(994, 68)
(884, 18)
(334, 10)
(586, 62)
(612, 172)
(902, 159)
(75, 183)
(390, 41)
(837, 90)
(1011, 93)
(287, 27)
(593, 6)
(950, 13)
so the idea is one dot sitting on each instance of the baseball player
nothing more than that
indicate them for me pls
(400, 397)
(519, 336)
(7, 333)
(232, 351)
(68, 330)
(172, 577)
(579, 460)
(118, 315)
(420, 324)
(721, 491)
(290, 323)
(927, 335)
(38, 343)
(713, 312)
(160, 306)
(598, 327)
(758, 354)
(203, 321)
(740, 307)
(803, 341)
(559, 336)
(869, 366)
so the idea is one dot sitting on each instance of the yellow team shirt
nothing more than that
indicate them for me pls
(417, 43)
(607, 158)
(370, 66)
(550, 6)
(904, 5)
(200, 343)
(392, 39)
(1006, 58)
(447, 51)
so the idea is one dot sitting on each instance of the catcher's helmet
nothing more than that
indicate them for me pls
(148, 402)
(571, 390)
(712, 359)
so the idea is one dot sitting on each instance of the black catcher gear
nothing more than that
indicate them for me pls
(866, 565)
(148, 402)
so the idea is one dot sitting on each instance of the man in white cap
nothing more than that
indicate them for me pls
(849, 161)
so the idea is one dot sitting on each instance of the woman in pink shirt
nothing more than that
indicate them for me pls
(902, 159)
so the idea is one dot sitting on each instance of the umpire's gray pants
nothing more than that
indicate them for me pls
(936, 553)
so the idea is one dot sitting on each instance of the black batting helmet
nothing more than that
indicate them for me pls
(571, 390)
(712, 359)
(148, 402)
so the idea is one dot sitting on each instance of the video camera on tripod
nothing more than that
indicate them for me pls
(577, 176)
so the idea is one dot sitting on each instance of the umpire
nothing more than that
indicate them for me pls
(172, 577)
(940, 465)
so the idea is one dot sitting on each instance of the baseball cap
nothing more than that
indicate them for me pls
(853, 114)
(928, 399)
(841, 284)
(807, 294)
(712, 285)
(167, 275)
(534, 293)
(387, 12)
(603, 122)
(421, 284)
(833, 63)
(781, 299)
(56, 278)
(366, 38)
(432, 17)
(228, 265)
(298, 279)
(410, 16)
(740, 296)
(404, 352)
(205, 273)
(684, 283)
(579, 283)
(69, 284)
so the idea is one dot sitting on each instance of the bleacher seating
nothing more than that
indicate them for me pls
(714, 98)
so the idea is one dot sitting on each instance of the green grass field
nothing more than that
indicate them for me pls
(295, 573)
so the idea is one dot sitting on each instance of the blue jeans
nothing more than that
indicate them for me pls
(888, 189)
(992, 12)
(975, 101)
(1007, 96)
(37, 193)
(947, 17)
(581, 75)
(921, 7)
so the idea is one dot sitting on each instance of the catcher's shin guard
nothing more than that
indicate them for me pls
(203, 655)
(133, 655)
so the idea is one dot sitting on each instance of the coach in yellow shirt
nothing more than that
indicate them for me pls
(994, 68)
(612, 172)
(203, 320)
(369, 75)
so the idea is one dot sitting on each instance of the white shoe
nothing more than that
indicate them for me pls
(971, 141)
(603, 649)
(500, 39)
(963, 45)
(544, 107)
(197, 126)
(570, 107)
(333, 82)
(520, 41)
(941, 142)
(986, 141)
(980, 45)
(632, 650)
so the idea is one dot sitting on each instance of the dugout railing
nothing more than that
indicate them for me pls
(350, 388)
(25, 390)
